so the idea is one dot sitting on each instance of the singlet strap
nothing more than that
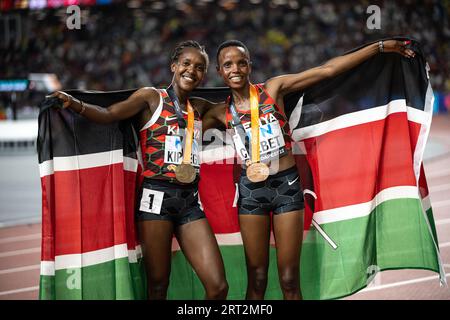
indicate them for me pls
(269, 97)
(157, 112)
(228, 116)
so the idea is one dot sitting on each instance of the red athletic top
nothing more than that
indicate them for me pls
(161, 144)
(269, 114)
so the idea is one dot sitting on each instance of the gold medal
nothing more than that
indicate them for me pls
(257, 172)
(185, 173)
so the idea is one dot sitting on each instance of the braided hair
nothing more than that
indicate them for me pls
(188, 44)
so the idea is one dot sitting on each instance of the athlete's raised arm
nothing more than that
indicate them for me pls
(140, 100)
(281, 85)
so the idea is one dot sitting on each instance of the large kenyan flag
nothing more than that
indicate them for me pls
(360, 140)
(88, 177)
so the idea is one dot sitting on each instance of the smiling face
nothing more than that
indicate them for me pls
(189, 69)
(234, 67)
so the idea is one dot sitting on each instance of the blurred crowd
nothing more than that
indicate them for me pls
(128, 45)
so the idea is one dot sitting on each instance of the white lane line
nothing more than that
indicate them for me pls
(19, 252)
(441, 222)
(4, 293)
(403, 283)
(440, 204)
(20, 269)
(437, 174)
(21, 222)
(441, 187)
(21, 238)
(444, 245)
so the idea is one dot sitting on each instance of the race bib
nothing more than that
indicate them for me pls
(173, 148)
(151, 201)
(271, 142)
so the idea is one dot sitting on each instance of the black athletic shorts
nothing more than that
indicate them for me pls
(280, 193)
(162, 200)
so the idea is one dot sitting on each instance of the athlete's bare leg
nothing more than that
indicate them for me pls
(255, 230)
(288, 232)
(200, 247)
(156, 240)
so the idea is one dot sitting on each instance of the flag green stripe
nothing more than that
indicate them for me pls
(394, 236)
(184, 283)
(117, 279)
(432, 224)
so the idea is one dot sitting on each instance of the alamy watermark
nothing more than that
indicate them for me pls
(73, 21)
(374, 20)
(74, 280)
(372, 272)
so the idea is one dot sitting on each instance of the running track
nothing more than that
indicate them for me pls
(20, 245)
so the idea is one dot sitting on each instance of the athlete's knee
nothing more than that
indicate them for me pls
(258, 277)
(289, 280)
(217, 290)
(158, 289)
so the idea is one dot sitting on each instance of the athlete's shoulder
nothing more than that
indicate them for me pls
(218, 109)
(200, 103)
(150, 94)
(215, 115)
(266, 91)
(206, 107)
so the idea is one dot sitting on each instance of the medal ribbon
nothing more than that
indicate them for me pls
(238, 126)
(189, 136)
(254, 109)
(189, 131)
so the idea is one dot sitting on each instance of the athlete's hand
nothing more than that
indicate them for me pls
(399, 47)
(66, 99)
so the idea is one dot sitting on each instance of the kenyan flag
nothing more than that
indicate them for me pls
(88, 177)
(359, 145)
(361, 138)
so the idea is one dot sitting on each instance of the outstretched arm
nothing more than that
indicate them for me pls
(215, 117)
(213, 114)
(279, 86)
(138, 101)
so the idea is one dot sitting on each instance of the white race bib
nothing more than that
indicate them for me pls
(271, 141)
(151, 201)
(173, 149)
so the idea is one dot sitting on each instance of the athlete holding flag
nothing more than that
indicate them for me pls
(168, 202)
(269, 179)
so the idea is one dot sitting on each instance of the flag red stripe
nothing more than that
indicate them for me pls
(91, 209)
(386, 156)
(48, 225)
(130, 179)
(384, 159)
(217, 190)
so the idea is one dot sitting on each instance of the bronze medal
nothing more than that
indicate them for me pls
(185, 173)
(257, 172)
